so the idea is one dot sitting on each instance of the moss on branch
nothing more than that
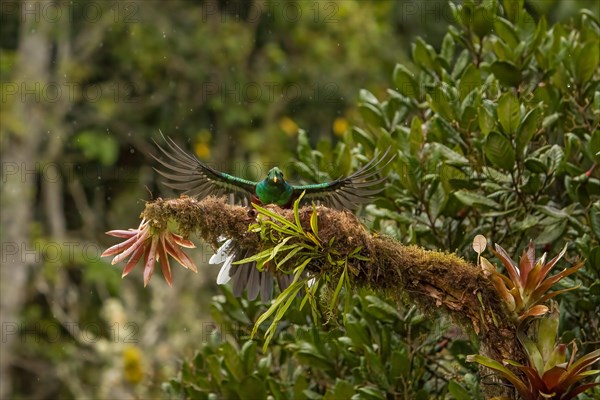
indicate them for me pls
(431, 279)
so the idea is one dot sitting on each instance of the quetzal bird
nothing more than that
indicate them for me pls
(186, 173)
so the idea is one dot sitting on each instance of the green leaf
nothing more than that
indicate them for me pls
(527, 129)
(357, 331)
(367, 97)
(252, 388)
(487, 120)
(405, 82)
(549, 120)
(506, 31)
(594, 146)
(441, 103)
(371, 115)
(381, 309)
(369, 393)
(457, 391)
(338, 289)
(362, 137)
(416, 137)
(424, 55)
(482, 21)
(342, 390)
(535, 165)
(469, 81)
(509, 112)
(314, 223)
(499, 151)
(586, 61)
(448, 48)
(512, 8)
(506, 73)
(470, 199)
(595, 219)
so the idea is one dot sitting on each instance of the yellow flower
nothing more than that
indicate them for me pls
(202, 150)
(132, 365)
(288, 126)
(340, 126)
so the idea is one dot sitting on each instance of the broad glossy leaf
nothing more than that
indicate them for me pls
(586, 61)
(473, 199)
(499, 151)
(458, 392)
(405, 82)
(528, 128)
(507, 73)
(509, 112)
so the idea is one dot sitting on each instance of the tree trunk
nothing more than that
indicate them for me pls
(20, 145)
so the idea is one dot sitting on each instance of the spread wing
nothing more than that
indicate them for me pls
(186, 173)
(349, 192)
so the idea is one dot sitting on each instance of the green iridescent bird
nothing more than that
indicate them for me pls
(187, 174)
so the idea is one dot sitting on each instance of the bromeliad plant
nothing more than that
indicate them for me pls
(526, 287)
(548, 374)
(155, 244)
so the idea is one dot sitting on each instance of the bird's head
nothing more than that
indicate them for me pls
(275, 176)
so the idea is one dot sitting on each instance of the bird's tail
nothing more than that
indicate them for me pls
(246, 276)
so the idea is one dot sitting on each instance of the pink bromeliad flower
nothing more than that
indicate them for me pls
(154, 246)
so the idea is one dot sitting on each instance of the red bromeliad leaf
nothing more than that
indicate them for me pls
(180, 256)
(552, 377)
(533, 279)
(576, 369)
(504, 293)
(181, 241)
(164, 261)
(548, 296)
(135, 257)
(526, 263)
(546, 268)
(535, 311)
(508, 262)
(150, 261)
(548, 283)
(155, 245)
(579, 389)
(535, 381)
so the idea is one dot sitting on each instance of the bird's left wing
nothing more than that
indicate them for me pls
(349, 192)
(185, 172)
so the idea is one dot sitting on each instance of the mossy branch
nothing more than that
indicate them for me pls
(431, 279)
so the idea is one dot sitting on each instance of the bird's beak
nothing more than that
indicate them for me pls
(275, 179)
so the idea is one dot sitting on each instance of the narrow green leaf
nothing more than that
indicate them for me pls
(314, 225)
(503, 371)
(337, 290)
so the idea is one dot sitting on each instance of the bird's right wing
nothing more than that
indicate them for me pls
(186, 173)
